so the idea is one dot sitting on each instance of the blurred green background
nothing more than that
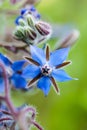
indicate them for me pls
(69, 110)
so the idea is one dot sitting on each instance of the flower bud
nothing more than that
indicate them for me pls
(22, 22)
(43, 28)
(30, 33)
(68, 40)
(30, 20)
(19, 32)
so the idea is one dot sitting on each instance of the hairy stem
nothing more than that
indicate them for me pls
(7, 91)
(37, 125)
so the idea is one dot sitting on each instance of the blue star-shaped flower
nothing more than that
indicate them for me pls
(46, 68)
(14, 70)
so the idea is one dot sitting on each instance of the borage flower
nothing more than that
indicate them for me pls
(46, 68)
(14, 70)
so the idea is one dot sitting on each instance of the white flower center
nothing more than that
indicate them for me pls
(46, 70)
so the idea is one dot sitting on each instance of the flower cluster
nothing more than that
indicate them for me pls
(10, 117)
(41, 68)
(44, 66)
(30, 29)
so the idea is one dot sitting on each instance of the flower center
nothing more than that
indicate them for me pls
(46, 70)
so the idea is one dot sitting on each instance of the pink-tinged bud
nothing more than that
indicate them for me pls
(68, 40)
(43, 28)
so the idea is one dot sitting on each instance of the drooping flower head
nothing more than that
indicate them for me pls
(7, 120)
(30, 29)
(14, 70)
(46, 67)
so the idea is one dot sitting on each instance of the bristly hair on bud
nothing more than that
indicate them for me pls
(30, 20)
(26, 112)
(19, 33)
(30, 33)
(30, 30)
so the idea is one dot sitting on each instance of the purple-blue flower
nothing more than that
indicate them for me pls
(6, 119)
(30, 10)
(46, 67)
(14, 70)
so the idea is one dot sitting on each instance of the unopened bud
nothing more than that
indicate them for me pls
(30, 20)
(30, 33)
(69, 40)
(22, 22)
(19, 32)
(43, 28)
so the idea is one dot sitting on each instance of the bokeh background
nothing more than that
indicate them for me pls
(69, 110)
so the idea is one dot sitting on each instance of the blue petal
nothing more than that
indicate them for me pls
(38, 16)
(32, 9)
(18, 81)
(5, 60)
(17, 19)
(30, 71)
(44, 84)
(2, 87)
(58, 56)
(23, 11)
(18, 65)
(61, 75)
(38, 55)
